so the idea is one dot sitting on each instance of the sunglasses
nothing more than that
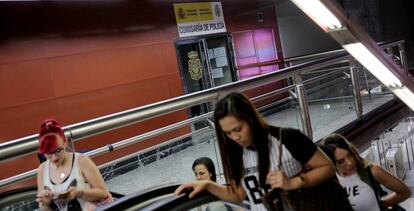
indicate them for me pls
(56, 152)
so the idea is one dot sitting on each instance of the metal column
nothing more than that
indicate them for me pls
(403, 58)
(303, 106)
(356, 89)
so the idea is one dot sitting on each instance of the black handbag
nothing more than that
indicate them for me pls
(276, 200)
(328, 195)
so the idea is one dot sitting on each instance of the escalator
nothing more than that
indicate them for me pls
(19, 199)
(163, 198)
(362, 131)
(156, 198)
(22, 199)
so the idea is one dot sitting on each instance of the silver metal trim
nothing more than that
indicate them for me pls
(23, 146)
(356, 89)
(303, 106)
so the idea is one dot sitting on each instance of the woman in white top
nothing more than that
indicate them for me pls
(66, 181)
(361, 179)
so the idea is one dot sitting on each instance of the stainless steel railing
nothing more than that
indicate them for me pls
(26, 145)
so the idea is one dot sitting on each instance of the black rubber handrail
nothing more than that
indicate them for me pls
(163, 199)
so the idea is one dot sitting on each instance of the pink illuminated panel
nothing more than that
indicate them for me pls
(252, 47)
(265, 45)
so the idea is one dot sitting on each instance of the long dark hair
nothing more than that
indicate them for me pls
(239, 106)
(208, 163)
(334, 141)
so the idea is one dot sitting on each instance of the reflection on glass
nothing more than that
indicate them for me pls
(373, 93)
(330, 100)
(153, 167)
(284, 115)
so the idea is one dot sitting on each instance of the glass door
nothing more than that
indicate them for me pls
(194, 74)
(205, 63)
(220, 60)
(194, 67)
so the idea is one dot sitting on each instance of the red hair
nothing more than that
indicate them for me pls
(49, 129)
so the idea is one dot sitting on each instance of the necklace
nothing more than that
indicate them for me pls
(54, 166)
(61, 175)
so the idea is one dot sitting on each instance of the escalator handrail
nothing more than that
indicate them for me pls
(147, 194)
(171, 202)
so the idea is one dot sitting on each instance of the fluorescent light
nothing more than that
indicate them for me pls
(405, 95)
(319, 13)
(371, 62)
(330, 23)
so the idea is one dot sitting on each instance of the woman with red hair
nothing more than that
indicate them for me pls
(67, 180)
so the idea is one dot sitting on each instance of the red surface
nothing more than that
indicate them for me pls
(76, 61)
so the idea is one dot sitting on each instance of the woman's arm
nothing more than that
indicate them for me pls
(400, 191)
(223, 192)
(306, 152)
(43, 196)
(320, 170)
(92, 175)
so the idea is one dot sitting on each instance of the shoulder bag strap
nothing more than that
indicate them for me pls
(277, 133)
(279, 165)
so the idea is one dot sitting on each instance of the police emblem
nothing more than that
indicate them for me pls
(217, 10)
(194, 66)
(181, 13)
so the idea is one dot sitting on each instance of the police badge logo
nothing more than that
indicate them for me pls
(181, 13)
(194, 66)
(217, 10)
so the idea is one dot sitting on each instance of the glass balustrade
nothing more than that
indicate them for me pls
(330, 100)
(373, 93)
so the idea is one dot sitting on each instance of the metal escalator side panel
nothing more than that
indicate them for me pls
(19, 199)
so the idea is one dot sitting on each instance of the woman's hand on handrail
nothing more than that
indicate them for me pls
(193, 187)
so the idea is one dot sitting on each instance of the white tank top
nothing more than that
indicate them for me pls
(360, 195)
(74, 174)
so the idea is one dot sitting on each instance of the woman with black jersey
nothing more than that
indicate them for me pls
(249, 151)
